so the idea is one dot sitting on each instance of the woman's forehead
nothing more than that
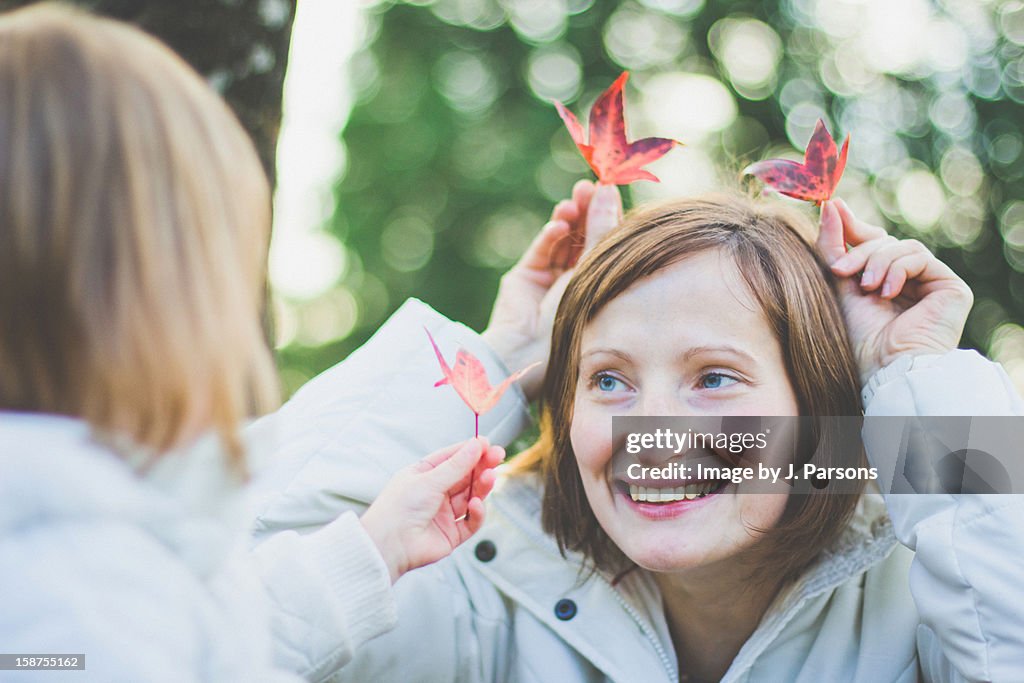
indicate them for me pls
(702, 300)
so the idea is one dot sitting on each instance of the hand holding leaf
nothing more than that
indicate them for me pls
(615, 160)
(814, 180)
(897, 297)
(428, 508)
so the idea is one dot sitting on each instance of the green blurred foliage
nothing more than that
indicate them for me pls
(455, 154)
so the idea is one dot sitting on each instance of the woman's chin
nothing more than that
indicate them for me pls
(668, 557)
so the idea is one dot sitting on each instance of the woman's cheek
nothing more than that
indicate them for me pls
(591, 436)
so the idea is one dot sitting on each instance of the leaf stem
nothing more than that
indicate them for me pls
(476, 435)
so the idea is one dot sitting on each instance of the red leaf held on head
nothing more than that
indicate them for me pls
(615, 160)
(814, 180)
(469, 379)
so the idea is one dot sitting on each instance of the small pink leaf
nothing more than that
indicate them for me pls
(469, 379)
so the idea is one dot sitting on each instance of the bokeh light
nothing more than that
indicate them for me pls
(555, 72)
(749, 52)
(686, 106)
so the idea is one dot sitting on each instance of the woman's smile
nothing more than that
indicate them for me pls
(660, 503)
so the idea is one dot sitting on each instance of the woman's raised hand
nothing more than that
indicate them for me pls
(520, 327)
(897, 297)
(425, 512)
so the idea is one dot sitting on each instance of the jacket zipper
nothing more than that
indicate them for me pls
(651, 636)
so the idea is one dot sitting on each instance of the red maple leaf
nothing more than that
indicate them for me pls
(615, 160)
(469, 379)
(814, 180)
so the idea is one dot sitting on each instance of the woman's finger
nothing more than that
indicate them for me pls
(566, 210)
(474, 519)
(574, 211)
(856, 259)
(539, 254)
(484, 477)
(903, 269)
(484, 483)
(877, 266)
(854, 230)
(480, 484)
(492, 457)
(582, 192)
(927, 274)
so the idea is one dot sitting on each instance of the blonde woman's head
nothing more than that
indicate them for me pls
(134, 220)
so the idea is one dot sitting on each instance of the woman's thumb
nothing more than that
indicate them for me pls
(452, 470)
(603, 214)
(831, 239)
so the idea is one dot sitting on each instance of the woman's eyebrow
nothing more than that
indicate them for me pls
(614, 352)
(697, 350)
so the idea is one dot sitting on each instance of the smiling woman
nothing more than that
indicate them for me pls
(712, 306)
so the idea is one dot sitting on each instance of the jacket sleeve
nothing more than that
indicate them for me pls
(342, 436)
(964, 581)
(329, 593)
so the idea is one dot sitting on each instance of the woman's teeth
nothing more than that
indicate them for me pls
(647, 494)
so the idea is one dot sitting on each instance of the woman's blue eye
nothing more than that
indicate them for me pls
(716, 380)
(607, 383)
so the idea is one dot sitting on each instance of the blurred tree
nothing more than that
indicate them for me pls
(455, 155)
(240, 46)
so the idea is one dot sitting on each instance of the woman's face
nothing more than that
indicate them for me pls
(688, 341)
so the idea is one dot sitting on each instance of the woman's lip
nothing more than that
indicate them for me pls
(669, 510)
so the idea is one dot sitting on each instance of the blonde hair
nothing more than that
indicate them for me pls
(134, 222)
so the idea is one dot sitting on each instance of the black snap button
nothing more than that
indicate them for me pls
(485, 551)
(565, 609)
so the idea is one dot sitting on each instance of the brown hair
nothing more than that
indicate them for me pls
(771, 246)
(134, 219)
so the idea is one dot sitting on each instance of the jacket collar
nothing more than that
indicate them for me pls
(529, 568)
(867, 540)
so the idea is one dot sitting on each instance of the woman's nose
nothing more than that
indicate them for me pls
(663, 403)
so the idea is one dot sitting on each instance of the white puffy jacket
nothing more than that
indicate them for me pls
(871, 609)
(150, 576)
